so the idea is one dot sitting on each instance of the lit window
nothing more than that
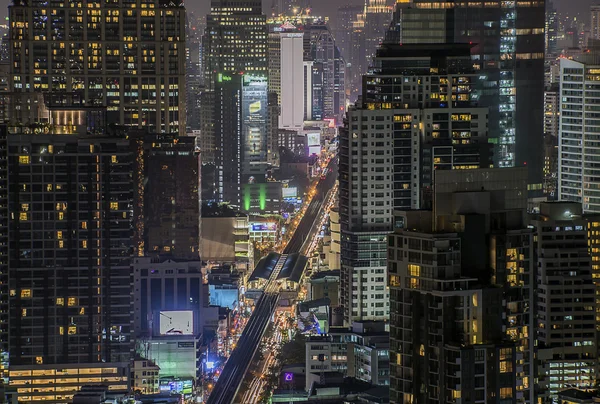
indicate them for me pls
(82, 311)
(59, 235)
(114, 205)
(61, 244)
(39, 360)
(61, 330)
(49, 187)
(24, 313)
(61, 216)
(25, 293)
(72, 330)
(60, 301)
(84, 244)
(23, 216)
(113, 159)
(23, 159)
(72, 301)
(84, 225)
(24, 207)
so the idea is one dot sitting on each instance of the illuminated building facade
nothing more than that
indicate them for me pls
(508, 54)
(235, 72)
(462, 283)
(566, 334)
(366, 34)
(417, 117)
(578, 179)
(168, 182)
(127, 56)
(60, 383)
(70, 231)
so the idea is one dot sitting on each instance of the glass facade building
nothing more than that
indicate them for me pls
(508, 54)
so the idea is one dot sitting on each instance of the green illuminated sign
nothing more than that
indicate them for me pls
(221, 78)
(262, 197)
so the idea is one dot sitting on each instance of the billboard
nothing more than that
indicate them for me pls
(264, 226)
(290, 192)
(176, 322)
(254, 119)
(313, 139)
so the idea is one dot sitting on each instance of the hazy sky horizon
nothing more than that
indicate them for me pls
(328, 7)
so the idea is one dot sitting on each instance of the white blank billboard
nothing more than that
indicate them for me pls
(176, 322)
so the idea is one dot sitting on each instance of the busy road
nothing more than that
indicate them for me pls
(227, 386)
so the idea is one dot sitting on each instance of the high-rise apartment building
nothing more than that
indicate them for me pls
(508, 54)
(167, 203)
(595, 21)
(462, 285)
(566, 308)
(128, 57)
(235, 104)
(69, 253)
(579, 124)
(417, 116)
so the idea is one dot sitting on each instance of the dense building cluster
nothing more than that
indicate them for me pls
(395, 203)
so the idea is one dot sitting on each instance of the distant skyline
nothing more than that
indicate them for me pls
(328, 8)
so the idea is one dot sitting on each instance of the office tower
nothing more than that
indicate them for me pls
(368, 31)
(595, 22)
(235, 66)
(462, 286)
(508, 55)
(70, 234)
(167, 200)
(412, 121)
(128, 57)
(551, 30)
(326, 66)
(286, 47)
(194, 73)
(235, 39)
(343, 29)
(566, 333)
(577, 179)
(292, 85)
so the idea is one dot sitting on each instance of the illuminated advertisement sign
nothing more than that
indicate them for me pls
(176, 322)
(266, 226)
(176, 386)
(290, 192)
(254, 118)
(313, 139)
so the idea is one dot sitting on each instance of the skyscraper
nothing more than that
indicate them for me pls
(567, 351)
(366, 33)
(508, 55)
(417, 116)
(235, 66)
(126, 56)
(462, 284)
(595, 22)
(69, 251)
(577, 177)
(328, 73)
